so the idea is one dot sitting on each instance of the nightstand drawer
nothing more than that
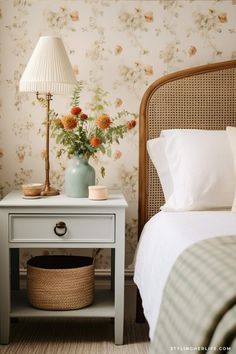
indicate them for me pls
(62, 228)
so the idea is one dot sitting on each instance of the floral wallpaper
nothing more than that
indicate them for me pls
(117, 46)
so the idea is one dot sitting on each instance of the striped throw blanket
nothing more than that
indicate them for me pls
(198, 311)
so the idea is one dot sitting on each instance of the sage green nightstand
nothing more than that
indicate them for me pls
(89, 224)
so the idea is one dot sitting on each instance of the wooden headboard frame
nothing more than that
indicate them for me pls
(202, 97)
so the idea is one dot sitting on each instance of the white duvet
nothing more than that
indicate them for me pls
(164, 237)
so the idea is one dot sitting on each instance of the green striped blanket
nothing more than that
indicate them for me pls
(198, 311)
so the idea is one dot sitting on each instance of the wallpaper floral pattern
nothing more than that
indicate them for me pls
(118, 46)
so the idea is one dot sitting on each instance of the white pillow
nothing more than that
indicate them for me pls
(202, 169)
(231, 131)
(156, 151)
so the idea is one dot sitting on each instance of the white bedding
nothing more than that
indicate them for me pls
(164, 237)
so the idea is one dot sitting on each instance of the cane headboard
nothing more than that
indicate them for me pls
(202, 98)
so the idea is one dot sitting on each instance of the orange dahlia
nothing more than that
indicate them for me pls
(103, 121)
(83, 116)
(131, 124)
(69, 122)
(95, 141)
(75, 111)
(58, 123)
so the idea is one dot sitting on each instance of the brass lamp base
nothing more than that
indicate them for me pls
(49, 192)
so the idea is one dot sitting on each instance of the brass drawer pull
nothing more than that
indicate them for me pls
(61, 226)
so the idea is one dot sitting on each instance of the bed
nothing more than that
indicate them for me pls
(197, 98)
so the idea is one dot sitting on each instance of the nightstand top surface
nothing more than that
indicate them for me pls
(15, 198)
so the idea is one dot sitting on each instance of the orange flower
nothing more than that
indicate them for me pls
(75, 111)
(148, 70)
(103, 121)
(117, 154)
(131, 124)
(222, 17)
(95, 141)
(69, 122)
(83, 116)
(148, 16)
(192, 50)
(118, 49)
(74, 15)
(58, 123)
(118, 102)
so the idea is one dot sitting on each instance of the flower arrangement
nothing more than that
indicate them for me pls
(87, 135)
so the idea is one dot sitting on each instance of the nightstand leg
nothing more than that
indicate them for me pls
(112, 269)
(4, 281)
(119, 278)
(15, 276)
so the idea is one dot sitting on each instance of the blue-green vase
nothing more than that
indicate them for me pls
(78, 176)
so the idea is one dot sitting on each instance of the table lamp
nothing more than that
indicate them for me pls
(48, 72)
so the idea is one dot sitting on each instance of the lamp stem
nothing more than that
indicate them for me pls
(47, 164)
(47, 189)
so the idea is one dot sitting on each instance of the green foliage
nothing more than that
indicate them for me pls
(75, 99)
(103, 171)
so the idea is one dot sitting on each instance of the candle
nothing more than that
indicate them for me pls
(98, 192)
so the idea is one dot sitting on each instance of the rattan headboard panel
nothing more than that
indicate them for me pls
(202, 98)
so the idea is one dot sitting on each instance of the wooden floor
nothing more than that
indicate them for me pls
(78, 336)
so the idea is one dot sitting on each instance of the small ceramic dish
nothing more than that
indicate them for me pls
(30, 198)
(32, 189)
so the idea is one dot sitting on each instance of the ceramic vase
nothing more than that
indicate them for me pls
(78, 176)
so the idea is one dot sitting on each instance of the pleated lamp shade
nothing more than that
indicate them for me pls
(49, 69)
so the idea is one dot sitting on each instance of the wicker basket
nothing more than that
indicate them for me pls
(60, 282)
